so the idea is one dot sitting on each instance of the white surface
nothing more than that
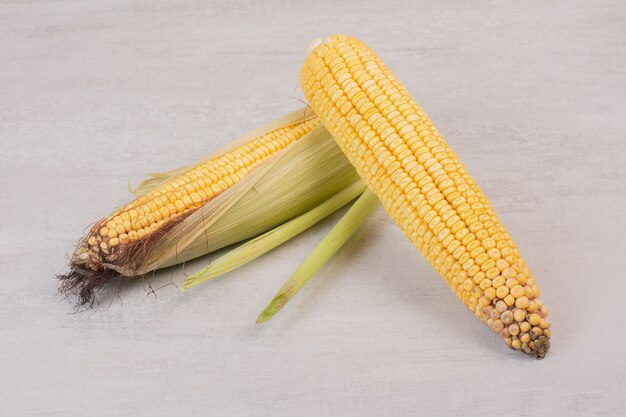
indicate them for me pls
(530, 94)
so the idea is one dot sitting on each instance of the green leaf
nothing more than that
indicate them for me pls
(332, 242)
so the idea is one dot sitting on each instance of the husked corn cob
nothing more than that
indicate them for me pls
(420, 181)
(176, 199)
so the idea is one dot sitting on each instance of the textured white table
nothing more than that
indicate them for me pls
(532, 96)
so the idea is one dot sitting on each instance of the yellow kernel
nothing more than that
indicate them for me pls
(195, 197)
(536, 331)
(481, 258)
(547, 333)
(490, 293)
(489, 243)
(532, 306)
(522, 302)
(501, 306)
(498, 282)
(517, 291)
(524, 326)
(513, 329)
(471, 303)
(114, 242)
(506, 317)
(509, 300)
(509, 273)
(479, 277)
(525, 338)
(534, 319)
(124, 238)
(485, 283)
(501, 264)
(502, 291)
(516, 344)
(104, 231)
(112, 233)
(488, 264)
(468, 284)
(494, 254)
(511, 282)
(492, 273)
(473, 270)
(497, 326)
(111, 224)
(519, 315)
(528, 291)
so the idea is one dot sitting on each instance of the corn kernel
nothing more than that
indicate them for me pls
(534, 319)
(509, 300)
(502, 291)
(522, 302)
(497, 282)
(506, 317)
(517, 291)
(490, 293)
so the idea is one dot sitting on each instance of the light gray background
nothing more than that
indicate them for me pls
(532, 96)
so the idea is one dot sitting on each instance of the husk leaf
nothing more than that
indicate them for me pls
(323, 252)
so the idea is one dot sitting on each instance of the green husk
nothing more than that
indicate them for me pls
(332, 242)
(270, 240)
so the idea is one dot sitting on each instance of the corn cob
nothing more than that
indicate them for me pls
(178, 198)
(420, 181)
(122, 241)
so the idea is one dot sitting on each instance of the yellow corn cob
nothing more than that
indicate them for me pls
(147, 215)
(396, 149)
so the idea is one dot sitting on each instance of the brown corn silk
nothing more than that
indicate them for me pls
(422, 184)
(284, 169)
